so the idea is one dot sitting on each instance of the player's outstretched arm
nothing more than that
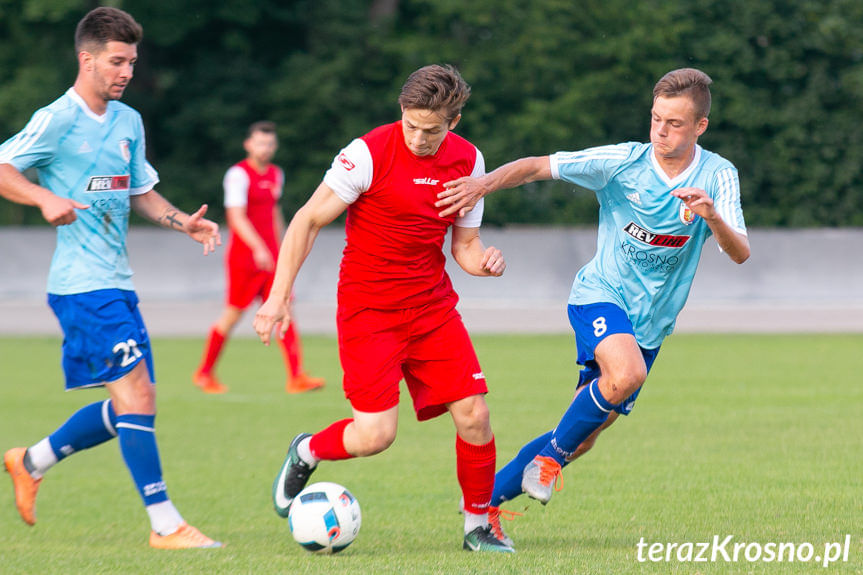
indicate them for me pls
(461, 195)
(154, 207)
(732, 242)
(322, 208)
(16, 188)
(473, 257)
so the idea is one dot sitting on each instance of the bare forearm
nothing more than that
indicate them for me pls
(295, 248)
(16, 188)
(517, 173)
(733, 243)
(154, 207)
(469, 257)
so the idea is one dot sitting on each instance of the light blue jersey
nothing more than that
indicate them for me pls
(95, 160)
(649, 243)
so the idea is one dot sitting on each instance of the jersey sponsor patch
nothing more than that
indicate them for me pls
(426, 181)
(108, 184)
(654, 239)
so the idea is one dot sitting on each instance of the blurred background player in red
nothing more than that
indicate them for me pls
(252, 191)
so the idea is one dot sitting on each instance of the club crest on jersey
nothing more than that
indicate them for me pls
(687, 216)
(108, 184)
(653, 239)
(345, 162)
(124, 150)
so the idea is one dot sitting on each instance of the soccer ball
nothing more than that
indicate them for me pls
(324, 518)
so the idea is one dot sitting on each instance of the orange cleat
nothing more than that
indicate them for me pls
(208, 383)
(185, 537)
(23, 483)
(303, 383)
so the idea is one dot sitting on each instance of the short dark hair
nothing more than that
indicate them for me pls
(437, 88)
(264, 126)
(688, 82)
(106, 24)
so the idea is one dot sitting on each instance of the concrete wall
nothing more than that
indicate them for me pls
(807, 280)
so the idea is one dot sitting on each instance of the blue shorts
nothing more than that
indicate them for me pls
(592, 323)
(104, 336)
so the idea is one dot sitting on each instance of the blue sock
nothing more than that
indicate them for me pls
(137, 436)
(89, 426)
(585, 414)
(507, 481)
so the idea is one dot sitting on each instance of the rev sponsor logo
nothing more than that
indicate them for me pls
(654, 239)
(108, 184)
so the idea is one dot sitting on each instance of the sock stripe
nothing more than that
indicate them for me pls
(600, 404)
(126, 425)
(106, 417)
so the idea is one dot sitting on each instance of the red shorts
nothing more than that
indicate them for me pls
(245, 283)
(428, 346)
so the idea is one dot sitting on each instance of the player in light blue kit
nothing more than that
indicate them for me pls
(659, 202)
(89, 152)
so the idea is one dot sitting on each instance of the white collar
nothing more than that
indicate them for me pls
(679, 178)
(76, 97)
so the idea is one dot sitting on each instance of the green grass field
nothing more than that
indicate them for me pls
(758, 437)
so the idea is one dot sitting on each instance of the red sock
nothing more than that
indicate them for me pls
(292, 352)
(329, 444)
(475, 471)
(215, 341)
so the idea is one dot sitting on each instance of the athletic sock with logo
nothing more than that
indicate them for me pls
(89, 426)
(585, 414)
(475, 472)
(137, 437)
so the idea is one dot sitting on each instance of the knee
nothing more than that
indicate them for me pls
(617, 386)
(471, 419)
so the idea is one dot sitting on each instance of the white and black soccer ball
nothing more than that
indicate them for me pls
(324, 518)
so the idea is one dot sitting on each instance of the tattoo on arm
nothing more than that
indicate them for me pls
(170, 219)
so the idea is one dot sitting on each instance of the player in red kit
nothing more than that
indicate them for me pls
(396, 305)
(252, 190)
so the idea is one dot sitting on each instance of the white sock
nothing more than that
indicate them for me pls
(474, 520)
(42, 457)
(164, 517)
(305, 452)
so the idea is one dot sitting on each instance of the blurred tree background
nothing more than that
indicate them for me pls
(547, 75)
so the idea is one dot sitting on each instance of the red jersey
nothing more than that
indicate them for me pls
(393, 256)
(258, 193)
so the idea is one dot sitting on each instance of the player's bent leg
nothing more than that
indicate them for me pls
(588, 443)
(371, 433)
(622, 366)
(364, 434)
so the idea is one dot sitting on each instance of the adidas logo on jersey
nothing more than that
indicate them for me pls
(634, 197)
(425, 182)
(85, 148)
